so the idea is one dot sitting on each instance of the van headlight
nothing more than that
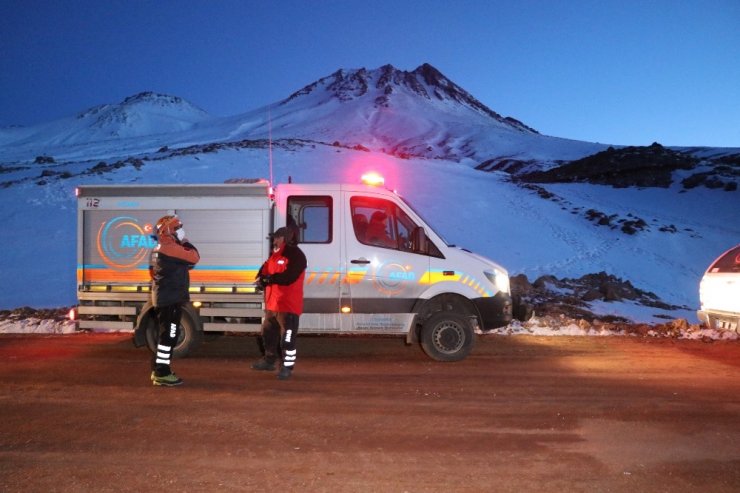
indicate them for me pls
(498, 278)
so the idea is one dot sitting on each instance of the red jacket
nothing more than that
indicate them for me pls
(287, 269)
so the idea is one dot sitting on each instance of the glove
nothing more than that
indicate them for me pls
(261, 282)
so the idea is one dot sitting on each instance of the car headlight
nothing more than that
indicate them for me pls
(499, 278)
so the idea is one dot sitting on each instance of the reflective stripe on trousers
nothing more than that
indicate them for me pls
(279, 332)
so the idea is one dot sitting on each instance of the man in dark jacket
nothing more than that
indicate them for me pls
(169, 266)
(281, 276)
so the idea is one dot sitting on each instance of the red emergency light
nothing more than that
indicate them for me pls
(373, 179)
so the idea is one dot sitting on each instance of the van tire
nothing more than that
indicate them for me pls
(188, 338)
(447, 336)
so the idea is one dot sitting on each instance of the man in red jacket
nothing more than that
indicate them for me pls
(281, 276)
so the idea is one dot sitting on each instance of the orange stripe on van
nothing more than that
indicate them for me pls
(223, 276)
(435, 276)
(110, 275)
(142, 276)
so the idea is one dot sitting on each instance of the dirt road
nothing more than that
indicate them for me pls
(522, 413)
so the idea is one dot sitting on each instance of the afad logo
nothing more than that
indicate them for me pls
(123, 243)
(393, 278)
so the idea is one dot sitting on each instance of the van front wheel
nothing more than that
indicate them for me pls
(447, 336)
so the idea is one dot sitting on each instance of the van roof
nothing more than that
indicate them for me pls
(174, 190)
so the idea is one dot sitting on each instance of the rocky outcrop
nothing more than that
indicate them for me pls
(548, 295)
(651, 166)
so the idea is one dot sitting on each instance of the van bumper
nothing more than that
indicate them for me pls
(495, 311)
(719, 320)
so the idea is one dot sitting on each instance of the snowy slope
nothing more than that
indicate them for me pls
(484, 212)
(446, 133)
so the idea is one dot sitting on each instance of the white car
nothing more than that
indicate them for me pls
(719, 292)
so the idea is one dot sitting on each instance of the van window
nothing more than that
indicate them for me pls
(729, 262)
(382, 223)
(311, 217)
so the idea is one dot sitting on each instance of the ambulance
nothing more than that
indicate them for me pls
(374, 265)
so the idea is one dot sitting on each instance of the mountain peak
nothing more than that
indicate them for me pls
(150, 97)
(142, 114)
(384, 83)
(146, 99)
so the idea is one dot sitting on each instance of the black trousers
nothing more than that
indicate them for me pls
(168, 319)
(279, 334)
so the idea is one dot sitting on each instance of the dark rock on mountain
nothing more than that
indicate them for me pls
(571, 297)
(724, 175)
(508, 165)
(651, 166)
(44, 160)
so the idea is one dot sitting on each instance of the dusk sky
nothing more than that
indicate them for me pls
(628, 72)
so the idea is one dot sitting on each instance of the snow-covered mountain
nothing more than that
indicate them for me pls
(407, 114)
(420, 114)
(142, 115)
(461, 163)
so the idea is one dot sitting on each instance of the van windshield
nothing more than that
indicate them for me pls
(429, 225)
(729, 262)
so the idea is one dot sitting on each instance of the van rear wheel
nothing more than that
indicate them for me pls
(188, 338)
(447, 336)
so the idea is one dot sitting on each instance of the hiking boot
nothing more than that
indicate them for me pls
(263, 365)
(167, 381)
(285, 373)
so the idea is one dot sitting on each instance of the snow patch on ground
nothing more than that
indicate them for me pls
(564, 326)
(536, 326)
(36, 326)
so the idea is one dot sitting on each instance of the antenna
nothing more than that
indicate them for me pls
(269, 137)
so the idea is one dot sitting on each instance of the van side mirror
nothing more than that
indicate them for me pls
(419, 240)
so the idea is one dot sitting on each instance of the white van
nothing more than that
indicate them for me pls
(719, 292)
(374, 265)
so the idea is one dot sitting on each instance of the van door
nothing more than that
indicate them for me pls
(384, 269)
(316, 219)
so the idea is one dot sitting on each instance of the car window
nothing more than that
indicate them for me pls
(311, 218)
(382, 223)
(728, 263)
(374, 221)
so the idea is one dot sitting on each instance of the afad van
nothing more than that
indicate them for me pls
(409, 282)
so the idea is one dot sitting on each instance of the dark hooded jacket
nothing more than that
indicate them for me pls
(169, 266)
